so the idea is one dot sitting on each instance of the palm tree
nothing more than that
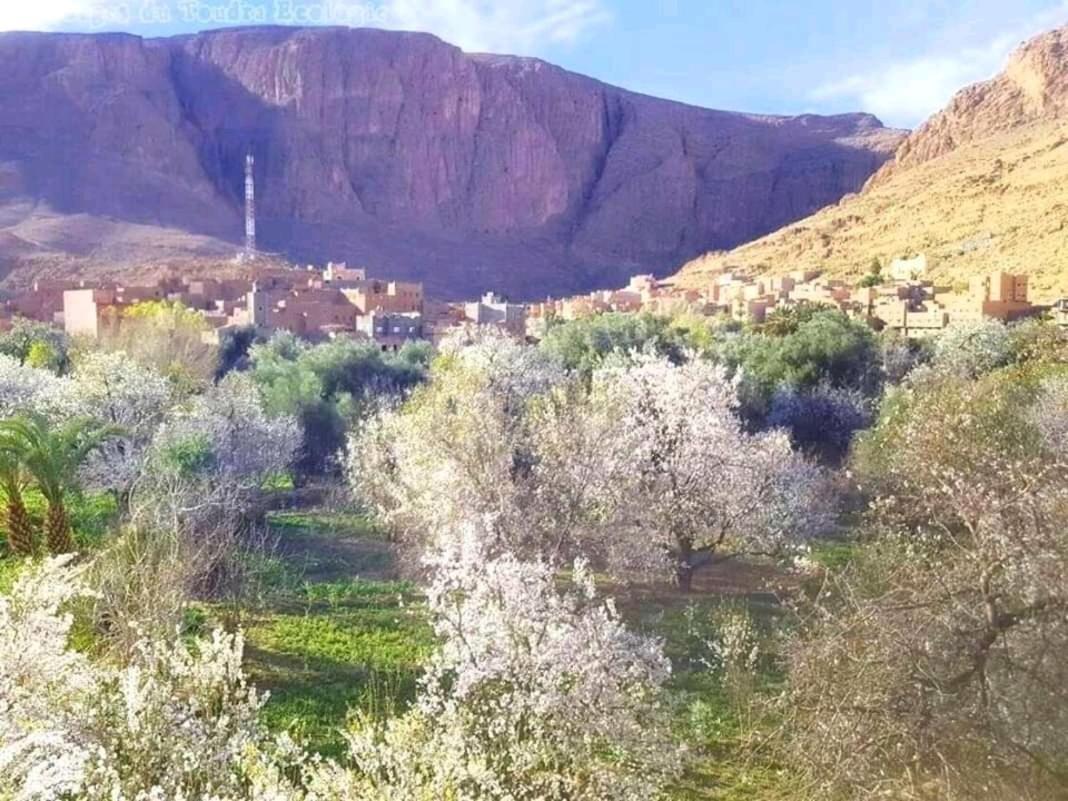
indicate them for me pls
(52, 455)
(20, 536)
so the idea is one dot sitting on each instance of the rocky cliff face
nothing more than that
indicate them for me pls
(398, 151)
(1032, 88)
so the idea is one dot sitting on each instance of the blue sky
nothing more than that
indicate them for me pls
(900, 59)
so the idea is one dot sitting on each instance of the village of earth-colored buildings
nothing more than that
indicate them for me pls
(341, 301)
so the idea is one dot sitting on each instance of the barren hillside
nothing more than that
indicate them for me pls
(982, 185)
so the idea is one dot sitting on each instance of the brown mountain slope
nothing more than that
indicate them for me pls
(393, 150)
(982, 185)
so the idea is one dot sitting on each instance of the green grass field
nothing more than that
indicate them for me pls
(332, 630)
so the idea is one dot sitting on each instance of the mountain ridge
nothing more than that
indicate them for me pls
(394, 150)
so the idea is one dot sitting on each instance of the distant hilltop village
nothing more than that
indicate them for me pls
(320, 303)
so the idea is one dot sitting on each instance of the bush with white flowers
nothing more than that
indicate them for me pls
(177, 722)
(24, 388)
(534, 694)
(1050, 414)
(969, 351)
(210, 459)
(116, 391)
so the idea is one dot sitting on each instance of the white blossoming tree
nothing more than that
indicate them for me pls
(177, 722)
(209, 461)
(697, 487)
(970, 350)
(650, 470)
(934, 665)
(459, 447)
(24, 389)
(105, 387)
(117, 391)
(534, 694)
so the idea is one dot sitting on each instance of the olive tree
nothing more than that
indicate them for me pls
(330, 388)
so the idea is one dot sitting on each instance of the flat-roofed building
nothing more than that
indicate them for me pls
(388, 296)
(88, 312)
(391, 330)
(492, 310)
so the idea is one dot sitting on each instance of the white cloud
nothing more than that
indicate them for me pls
(43, 15)
(907, 92)
(502, 26)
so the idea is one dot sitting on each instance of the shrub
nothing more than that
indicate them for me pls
(36, 344)
(208, 463)
(970, 351)
(177, 721)
(583, 345)
(806, 348)
(934, 664)
(822, 421)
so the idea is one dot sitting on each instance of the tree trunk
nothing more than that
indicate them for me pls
(19, 527)
(684, 567)
(57, 530)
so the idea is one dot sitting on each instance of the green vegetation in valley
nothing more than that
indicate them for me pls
(330, 387)
(325, 641)
(897, 629)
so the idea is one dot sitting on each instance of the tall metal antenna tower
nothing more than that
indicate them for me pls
(250, 207)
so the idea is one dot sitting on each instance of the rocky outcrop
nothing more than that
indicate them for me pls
(1032, 88)
(401, 152)
(982, 186)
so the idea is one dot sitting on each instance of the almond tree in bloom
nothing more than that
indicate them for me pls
(107, 388)
(971, 350)
(534, 694)
(649, 470)
(459, 448)
(116, 391)
(210, 459)
(24, 389)
(697, 487)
